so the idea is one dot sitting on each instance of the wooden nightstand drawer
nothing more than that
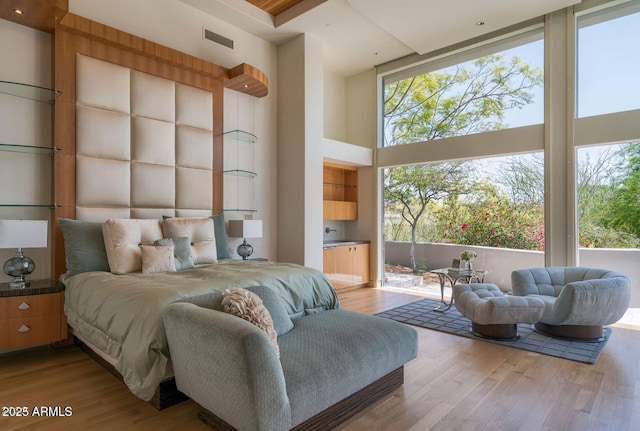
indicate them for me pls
(30, 331)
(15, 307)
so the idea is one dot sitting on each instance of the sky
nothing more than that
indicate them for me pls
(608, 62)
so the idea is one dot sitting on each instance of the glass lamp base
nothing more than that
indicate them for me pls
(245, 250)
(18, 267)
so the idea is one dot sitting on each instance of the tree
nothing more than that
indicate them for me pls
(624, 211)
(466, 99)
(412, 188)
(523, 179)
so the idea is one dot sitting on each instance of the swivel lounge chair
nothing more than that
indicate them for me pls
(578, 301)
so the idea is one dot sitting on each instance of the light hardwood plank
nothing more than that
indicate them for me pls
(455, 384)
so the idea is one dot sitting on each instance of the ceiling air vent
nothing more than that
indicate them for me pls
(217, 38)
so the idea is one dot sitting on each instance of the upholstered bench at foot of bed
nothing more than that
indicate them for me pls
(332, 364)
(492, 314)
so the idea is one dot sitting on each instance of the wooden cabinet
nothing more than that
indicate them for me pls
(340, 192)
(32, 316)
(347, 266)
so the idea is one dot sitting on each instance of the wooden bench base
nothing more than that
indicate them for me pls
(166, 395)
(334, 415)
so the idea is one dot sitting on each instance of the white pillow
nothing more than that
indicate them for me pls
(157, 258)
(122, 240)
(201, 235)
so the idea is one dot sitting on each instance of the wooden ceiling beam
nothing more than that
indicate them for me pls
(274, 7)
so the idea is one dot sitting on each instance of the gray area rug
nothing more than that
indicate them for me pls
(421, 314)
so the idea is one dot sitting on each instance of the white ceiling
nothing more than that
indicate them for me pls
(360, 34)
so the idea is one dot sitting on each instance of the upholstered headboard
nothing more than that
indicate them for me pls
(144, 144)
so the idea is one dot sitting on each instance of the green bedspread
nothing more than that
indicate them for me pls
(122, 314)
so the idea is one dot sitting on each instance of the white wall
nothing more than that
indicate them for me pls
(335, 105)
(179, 26)
(25, 178)
(361, 111)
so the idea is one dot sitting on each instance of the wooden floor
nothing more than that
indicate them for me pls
(456, 383)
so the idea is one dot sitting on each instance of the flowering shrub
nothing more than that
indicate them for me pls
(491, 221)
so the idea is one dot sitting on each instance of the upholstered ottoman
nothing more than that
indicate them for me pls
(492, 314)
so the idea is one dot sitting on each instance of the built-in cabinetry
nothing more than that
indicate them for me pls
(39, 94)
(239, 171)
(32, 316)
(340, 192)
(346, 264)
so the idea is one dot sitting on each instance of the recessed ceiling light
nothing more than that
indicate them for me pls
(480, 23)
(246, 85)
(18, 11)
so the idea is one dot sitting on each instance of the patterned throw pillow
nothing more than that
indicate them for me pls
(248, 306)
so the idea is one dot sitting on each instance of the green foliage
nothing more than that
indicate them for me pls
(492, 220)
(501, 212)
(458, 101)
(624, 211)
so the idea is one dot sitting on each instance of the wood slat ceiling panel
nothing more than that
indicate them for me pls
(274, 7)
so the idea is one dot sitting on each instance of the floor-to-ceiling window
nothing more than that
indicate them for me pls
(607, 133)
(436, 114)
(473, 119)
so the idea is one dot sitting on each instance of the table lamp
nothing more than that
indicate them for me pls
(245, 229)
(21, 234)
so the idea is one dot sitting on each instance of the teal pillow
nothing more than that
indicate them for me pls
(222, 248)
(181, 251)
(272, 302)
(84, 246)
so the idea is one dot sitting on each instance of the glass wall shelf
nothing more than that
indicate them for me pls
(341, 186)
(51, 206)
(27, 91)
(241, 173)
(241, 135)
(31, 149)
(240, 210)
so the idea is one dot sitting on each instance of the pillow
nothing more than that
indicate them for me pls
(200, 232)
(157, 258)
(222, 247)
(281, 321)
(248, 306)
(181, 251)
(84, 246)
(122, 239)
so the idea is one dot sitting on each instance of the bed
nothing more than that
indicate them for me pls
(123, 273)
(121, 315)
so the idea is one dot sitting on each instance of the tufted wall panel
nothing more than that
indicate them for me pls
(144, 144)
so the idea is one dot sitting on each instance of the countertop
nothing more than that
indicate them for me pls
(339, 242)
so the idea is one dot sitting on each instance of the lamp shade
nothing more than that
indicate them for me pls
(23, 233)
(245, 228)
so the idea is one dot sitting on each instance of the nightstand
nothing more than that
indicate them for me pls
(32, 316)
